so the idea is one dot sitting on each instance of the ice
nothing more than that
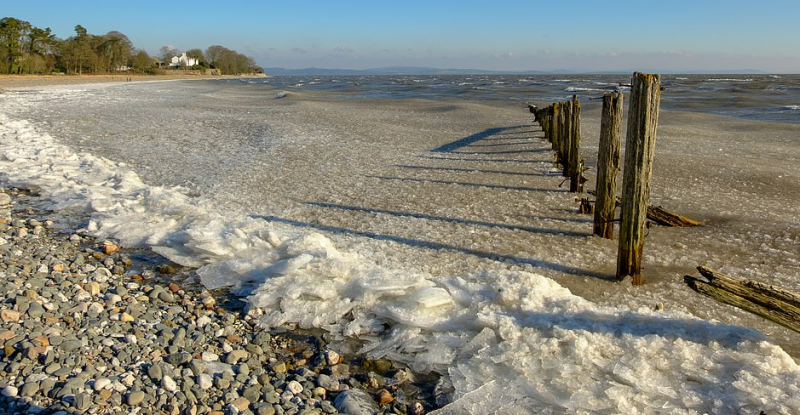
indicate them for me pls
(451, 289)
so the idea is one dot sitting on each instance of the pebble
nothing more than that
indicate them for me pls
(205, 381)
(168, 384)
(81, 333)
(355, 402)
(294, 387)
(135, 398)
(101, 384)
(240, 403)
(10, 391)
(332, 357)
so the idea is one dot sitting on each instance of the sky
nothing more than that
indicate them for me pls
(507, 35)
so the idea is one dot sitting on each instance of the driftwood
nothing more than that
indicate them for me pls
(664, 217)
(661, 216)
(775, 304)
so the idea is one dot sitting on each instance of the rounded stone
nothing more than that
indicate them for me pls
(241, 403)
(10, 391)
(205, 381)
(169, 384)
(29, 389)
(135, 398)
(294, 387)
(101, 384)
(83, 401)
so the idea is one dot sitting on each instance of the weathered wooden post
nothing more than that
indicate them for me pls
(608, 165)
(639, 150)
(574, 153)
(543, 119)
(549, 122)
(556, 126)
(563, 154)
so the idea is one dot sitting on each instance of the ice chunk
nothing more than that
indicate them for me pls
(432, 297)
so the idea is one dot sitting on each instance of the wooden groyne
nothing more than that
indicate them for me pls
(561, 125)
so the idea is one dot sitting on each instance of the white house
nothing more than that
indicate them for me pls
(183, 60)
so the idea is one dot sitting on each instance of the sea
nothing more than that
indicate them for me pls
(757, 97)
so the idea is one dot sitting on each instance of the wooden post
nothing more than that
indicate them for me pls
(544, 122)
(608, 165)
(575, 163)
(639, 150)
(566, 139)
(556, 126)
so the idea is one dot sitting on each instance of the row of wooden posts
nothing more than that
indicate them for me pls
(561, 125)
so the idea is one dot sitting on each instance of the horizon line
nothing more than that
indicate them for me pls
(423, 70)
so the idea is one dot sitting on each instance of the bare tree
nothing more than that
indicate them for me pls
(166, 53)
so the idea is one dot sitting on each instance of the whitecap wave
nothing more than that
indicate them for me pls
(729, 80)
(581, 89)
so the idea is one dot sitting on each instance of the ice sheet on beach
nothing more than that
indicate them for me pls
(509, 340)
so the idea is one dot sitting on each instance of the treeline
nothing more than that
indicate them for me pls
(26, 49)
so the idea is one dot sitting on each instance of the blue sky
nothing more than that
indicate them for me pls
(697, 35)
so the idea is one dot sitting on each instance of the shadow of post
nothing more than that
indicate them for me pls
(469, 222)
(466, 141)
(419, 243)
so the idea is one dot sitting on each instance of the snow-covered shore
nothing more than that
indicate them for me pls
(344, 208)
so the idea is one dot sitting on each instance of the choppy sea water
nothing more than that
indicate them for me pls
(757, 97)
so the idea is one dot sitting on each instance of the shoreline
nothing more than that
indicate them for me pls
(90, 327)
(301, 129)
(25, 81)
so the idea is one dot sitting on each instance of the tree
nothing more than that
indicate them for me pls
(13, 33)
(116, 48)
(38, 51)
(142, 62)
(77, 52)
(167, 52)
(214, 54)
(197, 54)
(229, 62)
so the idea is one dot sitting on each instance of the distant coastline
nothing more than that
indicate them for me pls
(12, 81)
(417, 70)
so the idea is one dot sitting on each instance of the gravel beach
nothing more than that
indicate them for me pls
(89, 328)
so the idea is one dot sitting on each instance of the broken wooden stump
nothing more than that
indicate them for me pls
(773, 303)
(586, 207)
